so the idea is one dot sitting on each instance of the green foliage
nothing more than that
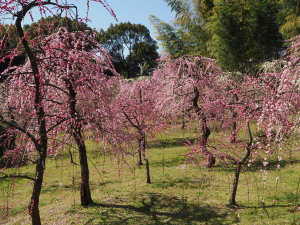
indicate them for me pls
(50, 25)
(244, 33)
(204, 8)
(8, 34)
(133, 50)
(171, 41)
(291, 27)
(177, 6)
(239, 34)
(289, 18)
(9, 40)
(188, 33)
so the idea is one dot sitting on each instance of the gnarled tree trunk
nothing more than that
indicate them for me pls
(85, 192)
(37, 187)
(211, 159)
(42, 143)
(239, 165)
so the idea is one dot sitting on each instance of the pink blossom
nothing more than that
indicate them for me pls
(265, 163)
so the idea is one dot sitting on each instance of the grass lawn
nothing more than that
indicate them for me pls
(180, 193)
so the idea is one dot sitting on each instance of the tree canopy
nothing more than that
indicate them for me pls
(244, 33)
(239, 34)
(51, 25)
(289, 18)
(188, 33)
(133, 50)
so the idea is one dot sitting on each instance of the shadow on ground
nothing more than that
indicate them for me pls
(170, 143)
(154, 209)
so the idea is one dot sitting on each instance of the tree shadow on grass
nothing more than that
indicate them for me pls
(169, 143)
(169, 162)
(156, 209)
(256, 166)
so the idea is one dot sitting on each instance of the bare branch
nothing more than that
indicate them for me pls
(58, 88)
(58, 123)
(16, 176)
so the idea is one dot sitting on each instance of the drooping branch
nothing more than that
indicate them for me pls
(58, 88)
(16, 176)
(130, 121)
(58, 123)
(24, 131)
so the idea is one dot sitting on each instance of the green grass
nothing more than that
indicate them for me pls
(181, 192)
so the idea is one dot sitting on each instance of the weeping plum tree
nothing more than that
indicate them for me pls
(135, 110)
(280, 110)
(270, 100)
(198, 84)
(243, 105)
(27, 98)
(245, 100)
(75, 67)
(190, 83)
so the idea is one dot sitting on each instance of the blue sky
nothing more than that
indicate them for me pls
(134, 11)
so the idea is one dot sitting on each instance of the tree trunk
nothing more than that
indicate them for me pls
(147, 171)
(42, 142)
(205, 130)
(183, 120)
(85, 193)
(239, 165)
(140, 142)
(210, 158)
(234, 124)
(37, 187)
(233, 132)
(143, 151)
(235, 184)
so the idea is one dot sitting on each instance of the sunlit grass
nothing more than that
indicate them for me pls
(181, 192)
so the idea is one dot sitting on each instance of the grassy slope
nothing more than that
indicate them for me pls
(181, 192)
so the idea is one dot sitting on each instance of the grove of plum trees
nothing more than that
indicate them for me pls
(63, 88)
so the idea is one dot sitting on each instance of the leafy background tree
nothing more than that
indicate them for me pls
(289, 18)
(237, 33)
(133, 50)
(170, 40)
(51, 24)
(244, 33)
(188, 33)
(9, 40)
